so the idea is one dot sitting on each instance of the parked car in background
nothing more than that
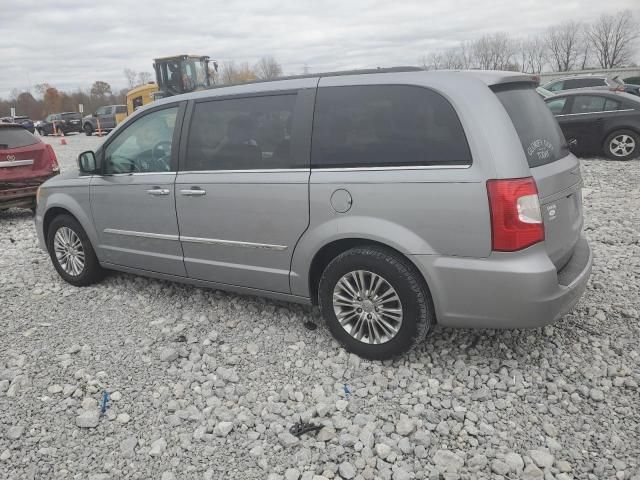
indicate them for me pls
(105, 117)
(632, 89)
(605, 82)
(68, 122)
(544, 93)
(599, 121)
(417, 197)
(21, 120)
(25, 163)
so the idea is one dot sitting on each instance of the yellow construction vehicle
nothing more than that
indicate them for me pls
(174, 75)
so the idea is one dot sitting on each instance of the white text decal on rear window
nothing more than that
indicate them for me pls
(540, 147)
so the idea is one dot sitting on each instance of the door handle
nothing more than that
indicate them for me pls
(193, 192)
(158, 191)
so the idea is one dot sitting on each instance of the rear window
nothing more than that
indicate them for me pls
(386, 126)
(539, 132)
(583, 83)
(16, 137)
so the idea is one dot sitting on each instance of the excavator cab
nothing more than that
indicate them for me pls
(181, 74)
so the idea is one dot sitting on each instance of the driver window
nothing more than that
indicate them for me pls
(144, 146)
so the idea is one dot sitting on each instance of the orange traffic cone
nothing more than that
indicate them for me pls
(63, 141)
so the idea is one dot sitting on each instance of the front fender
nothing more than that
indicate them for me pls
(350, 227)
(76, 201)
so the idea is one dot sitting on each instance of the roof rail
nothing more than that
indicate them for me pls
(363, 71)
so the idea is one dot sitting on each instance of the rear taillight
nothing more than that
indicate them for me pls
(53, 160)
(516, 219)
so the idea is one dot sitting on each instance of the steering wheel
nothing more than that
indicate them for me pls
(159, 154)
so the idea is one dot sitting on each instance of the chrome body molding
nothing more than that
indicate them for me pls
(15, 163)
(232, 243)
(208, 241)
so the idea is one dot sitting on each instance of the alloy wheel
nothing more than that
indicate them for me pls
(69, 252)
(622, 145)
(367, 307)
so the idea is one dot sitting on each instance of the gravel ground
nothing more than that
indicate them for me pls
(204, 384)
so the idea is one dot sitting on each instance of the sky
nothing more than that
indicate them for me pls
(71, 43)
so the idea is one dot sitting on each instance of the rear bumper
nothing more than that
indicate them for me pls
(21, 196)
(505, 290)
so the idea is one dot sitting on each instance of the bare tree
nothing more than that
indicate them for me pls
(532, 54)
(130, 75)
(268, 68)
(494, 52)
(563, 42)
(232, 73)
(612, 39)
(144, 77)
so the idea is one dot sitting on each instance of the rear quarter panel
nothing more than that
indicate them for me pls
(441, 211)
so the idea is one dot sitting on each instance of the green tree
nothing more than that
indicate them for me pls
(100, 89)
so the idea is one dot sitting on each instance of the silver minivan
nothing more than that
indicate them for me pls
(392, 199)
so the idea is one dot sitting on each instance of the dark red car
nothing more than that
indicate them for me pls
(25, 163)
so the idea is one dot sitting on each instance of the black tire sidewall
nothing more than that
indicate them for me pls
(88, 130)
(395, 270)
(92, 270)
(611, 136)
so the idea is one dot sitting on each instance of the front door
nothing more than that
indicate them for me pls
(242, 190)
(133, 202)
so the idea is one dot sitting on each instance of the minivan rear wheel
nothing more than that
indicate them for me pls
(375, 302)
(72, 253)
(622, 145)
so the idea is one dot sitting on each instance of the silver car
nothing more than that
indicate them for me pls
(393, 199)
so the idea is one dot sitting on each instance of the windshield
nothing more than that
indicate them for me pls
(70, 116)
(196, 73)
(539, 132)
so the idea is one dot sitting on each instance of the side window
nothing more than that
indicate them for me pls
(587, 104)
(108, 110)
(123, 108)
(610, 104)
(387, 125)
(144, 146)
(242, 134)
(557, 105)
(101, 111)
(593, 82)
(556, 87)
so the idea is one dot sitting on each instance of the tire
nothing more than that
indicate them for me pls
(91, 271)
(415, 305)
(622, 145)
(43, 132)
(88, 129)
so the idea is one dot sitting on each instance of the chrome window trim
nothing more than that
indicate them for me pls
(598, 113)
(249, 170)
(135, 174)
(16, 163)
(182, 238)
(399, 167)
(232, 243)
(131, 233)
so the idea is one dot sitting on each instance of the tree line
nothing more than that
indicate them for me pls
(608, 42)
(53, 100)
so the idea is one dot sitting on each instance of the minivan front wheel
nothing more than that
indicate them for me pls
(375, 302)
(622, 145)
(88, 129)
(71, 252)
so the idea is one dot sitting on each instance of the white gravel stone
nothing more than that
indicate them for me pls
(223, 429)
(347, 470)
(448, 461)
(88, 419)
(15, 432)
(168, 354)
(158, 447)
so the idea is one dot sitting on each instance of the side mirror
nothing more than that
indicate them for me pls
(87, 162)
(573, 143)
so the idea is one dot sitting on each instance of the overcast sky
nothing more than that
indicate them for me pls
(71, 43)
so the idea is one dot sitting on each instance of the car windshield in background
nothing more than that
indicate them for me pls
(16, 137)
(539, 132)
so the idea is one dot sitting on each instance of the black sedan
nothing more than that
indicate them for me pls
(66, 121)
(26, 122)
(599, 121)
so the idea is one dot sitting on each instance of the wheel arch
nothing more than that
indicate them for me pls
(60, 204)
(331, 250)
